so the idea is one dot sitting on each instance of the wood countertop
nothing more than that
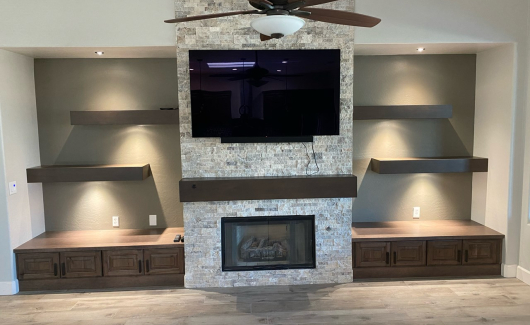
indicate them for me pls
(421, 230)
(53, 241)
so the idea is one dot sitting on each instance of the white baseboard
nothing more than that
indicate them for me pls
(8, 288)
(509, 270)
(523, 275)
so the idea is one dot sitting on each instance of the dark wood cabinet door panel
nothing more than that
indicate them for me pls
(444, 252)
(123, 262)
(481, 251)
(38, 266)
(370, 254)
(408, 253)
(81, 264)
(164, 260)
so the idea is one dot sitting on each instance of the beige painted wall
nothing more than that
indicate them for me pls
(21, 214)
(64, 85)
(108, 84)
(496, 73)
(413, 80)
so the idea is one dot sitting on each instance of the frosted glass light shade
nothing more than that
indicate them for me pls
(277, 24)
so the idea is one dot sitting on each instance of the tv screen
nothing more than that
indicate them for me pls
(264, 93)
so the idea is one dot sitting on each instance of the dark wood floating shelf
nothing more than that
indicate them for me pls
(94, 173)
(137, 117)
(402, 112)
(95, 259)
(267, 188)
(429, 165)
(401, 249)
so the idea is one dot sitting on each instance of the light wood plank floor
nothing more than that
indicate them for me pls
(465, 301)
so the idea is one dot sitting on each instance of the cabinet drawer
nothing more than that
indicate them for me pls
(408, 253)
(38, 266)
(370, 254)
(444, 252)
(481, 251)
(80, 264)
(164, 260)
(123, 262)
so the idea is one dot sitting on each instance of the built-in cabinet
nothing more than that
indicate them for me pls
(423, 249)
(108, 263)
(101, 259)
(421, 253)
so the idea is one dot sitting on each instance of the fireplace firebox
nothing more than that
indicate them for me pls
(268, 243)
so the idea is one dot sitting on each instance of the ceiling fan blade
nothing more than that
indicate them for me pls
(261, 4)
(224, 14)
(342, 17)
(264, 37)
(309, 3)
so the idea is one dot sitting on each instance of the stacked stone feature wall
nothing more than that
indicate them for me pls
(208, 157)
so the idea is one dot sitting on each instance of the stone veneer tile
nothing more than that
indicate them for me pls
(208, 157)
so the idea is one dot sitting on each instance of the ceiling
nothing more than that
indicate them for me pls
(170, 51)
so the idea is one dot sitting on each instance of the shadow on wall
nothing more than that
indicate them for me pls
(413, 80)
(392, 197)
(91, 205)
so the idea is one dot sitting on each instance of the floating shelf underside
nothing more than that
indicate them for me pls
(429, 165)
(95, 173)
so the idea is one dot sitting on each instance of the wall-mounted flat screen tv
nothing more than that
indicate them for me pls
(265, 93)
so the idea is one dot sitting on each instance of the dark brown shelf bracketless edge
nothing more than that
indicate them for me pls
(138, 117)
(395, 112)
(426, 271)
(88, 173)
(267, 188)
(429, 165)
(95, 283)
(266, 139)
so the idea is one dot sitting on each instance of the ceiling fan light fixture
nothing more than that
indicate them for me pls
(277, 25)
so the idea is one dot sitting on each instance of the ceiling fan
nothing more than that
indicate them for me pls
(282, 16)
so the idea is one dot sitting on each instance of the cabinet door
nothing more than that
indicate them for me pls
(444, 252)
(123, 262)
(481, 251)
(408, 253)
(38, 266)
(370, 254)
(164, 260)
(81, 264)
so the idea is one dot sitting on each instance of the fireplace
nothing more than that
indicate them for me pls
(268, 243)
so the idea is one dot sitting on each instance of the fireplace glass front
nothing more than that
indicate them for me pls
(268, 243)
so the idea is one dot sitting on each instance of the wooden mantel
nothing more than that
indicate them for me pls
(267, 188)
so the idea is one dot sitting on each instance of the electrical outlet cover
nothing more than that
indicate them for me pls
(416, 214)
(116, 221)
(152, 220)
(12, 188)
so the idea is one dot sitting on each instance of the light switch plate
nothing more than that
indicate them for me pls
(416, 214)
(152, 220)
(12, 188)
(116, 221)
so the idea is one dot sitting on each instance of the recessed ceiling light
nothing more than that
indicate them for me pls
(100, 52)
(279, 70)
(234, 69)
(420, 49)
(191, 69)
(284, 61)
